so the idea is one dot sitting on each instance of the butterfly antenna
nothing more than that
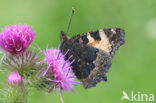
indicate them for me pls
(72, 12)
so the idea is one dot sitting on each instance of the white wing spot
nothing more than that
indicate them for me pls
(113, 31)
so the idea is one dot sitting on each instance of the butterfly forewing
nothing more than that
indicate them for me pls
(108, 40)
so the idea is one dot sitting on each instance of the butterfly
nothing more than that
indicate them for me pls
(92, 52)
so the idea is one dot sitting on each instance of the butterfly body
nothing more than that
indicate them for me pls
(92, 52)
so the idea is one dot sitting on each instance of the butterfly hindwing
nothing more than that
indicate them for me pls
(92, 52)
(91, 64)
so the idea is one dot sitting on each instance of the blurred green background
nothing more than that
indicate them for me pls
(133, 67)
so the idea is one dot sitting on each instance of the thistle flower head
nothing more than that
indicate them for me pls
(62, 76)
(15, 39)
(16, 92)
(14, 78)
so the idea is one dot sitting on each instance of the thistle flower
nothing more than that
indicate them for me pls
(14, 78)
(16, 91)
(61, 74)
(16, 39)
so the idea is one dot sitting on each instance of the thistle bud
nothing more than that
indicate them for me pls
(16, 92)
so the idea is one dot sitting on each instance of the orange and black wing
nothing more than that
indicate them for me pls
(92, 52)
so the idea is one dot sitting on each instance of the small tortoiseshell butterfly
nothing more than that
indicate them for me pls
(92, 52)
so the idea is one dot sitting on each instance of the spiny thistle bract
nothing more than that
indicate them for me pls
(25, 64)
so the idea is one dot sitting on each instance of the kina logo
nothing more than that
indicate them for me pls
(138, 97)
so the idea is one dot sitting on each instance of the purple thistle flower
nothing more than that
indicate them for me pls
(62, 76)
(16, 92)
(14, 78)
(16, 38)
